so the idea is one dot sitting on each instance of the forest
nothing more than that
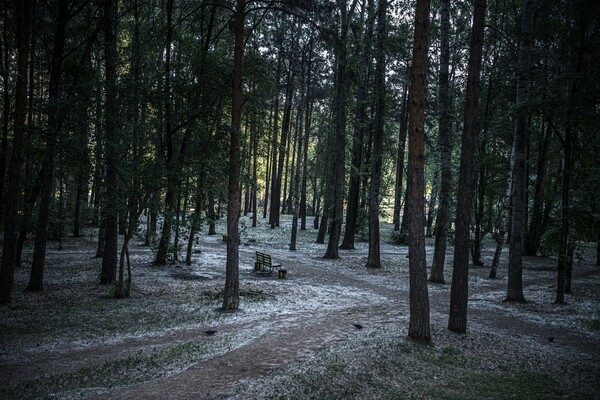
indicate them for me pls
(150, 149)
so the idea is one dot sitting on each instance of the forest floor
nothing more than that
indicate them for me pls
(295, 338)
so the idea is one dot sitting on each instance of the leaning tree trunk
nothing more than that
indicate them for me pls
(443, 215)
(24, 15)
(418, 328)
(519, 186)
(374, 258)
(459, 292)
(231, 293)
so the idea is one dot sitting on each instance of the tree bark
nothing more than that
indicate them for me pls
(432, 202)
(374, 258)
(307, 124)
(445, 149)
(400, 160)
(285, 128)
(24, 15)
(504, 217)
(457, 321)
(479, 213)
(110, 211)
(274, 204)
(165, 236)
(295, 189)
(418, 328)
(231, 295)
(519, 186)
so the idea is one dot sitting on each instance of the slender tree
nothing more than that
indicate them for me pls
(231, 295)
(295, 189)
(418, 328)
(374, 259)
(400, 160)
(519, 184)
(443, 214)
(457, 321)
(110, 211)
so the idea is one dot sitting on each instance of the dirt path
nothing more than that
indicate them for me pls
(287, 341)
(277, 339)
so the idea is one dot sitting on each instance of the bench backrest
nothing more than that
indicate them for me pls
(263, 258)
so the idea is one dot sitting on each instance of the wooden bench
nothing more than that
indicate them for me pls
(264, 261)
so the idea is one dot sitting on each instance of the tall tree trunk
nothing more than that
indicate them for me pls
(268, 162)
(359, 133)
(532, 242)
(295, 189)
(307, 124)
(289, 170)
(579, 47)
(55, 121)
(274, 208)
(418, 328)
(178, 218)
(212, 217)
(504, 217)
(196, 217)
(110, 211)
(459, 292)
(445, 149)
(479, 214)
(400, 160)
(519, 186)
(431, 203)
(170, 196)
(341, 87)
(6, 106)
(30, 200)
(285, 128)
(254, 197)
(231, 295)
(24, 15)
(374, 257)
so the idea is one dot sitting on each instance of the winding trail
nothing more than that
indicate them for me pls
(279, 338)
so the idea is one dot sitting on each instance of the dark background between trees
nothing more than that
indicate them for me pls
(157, 117)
